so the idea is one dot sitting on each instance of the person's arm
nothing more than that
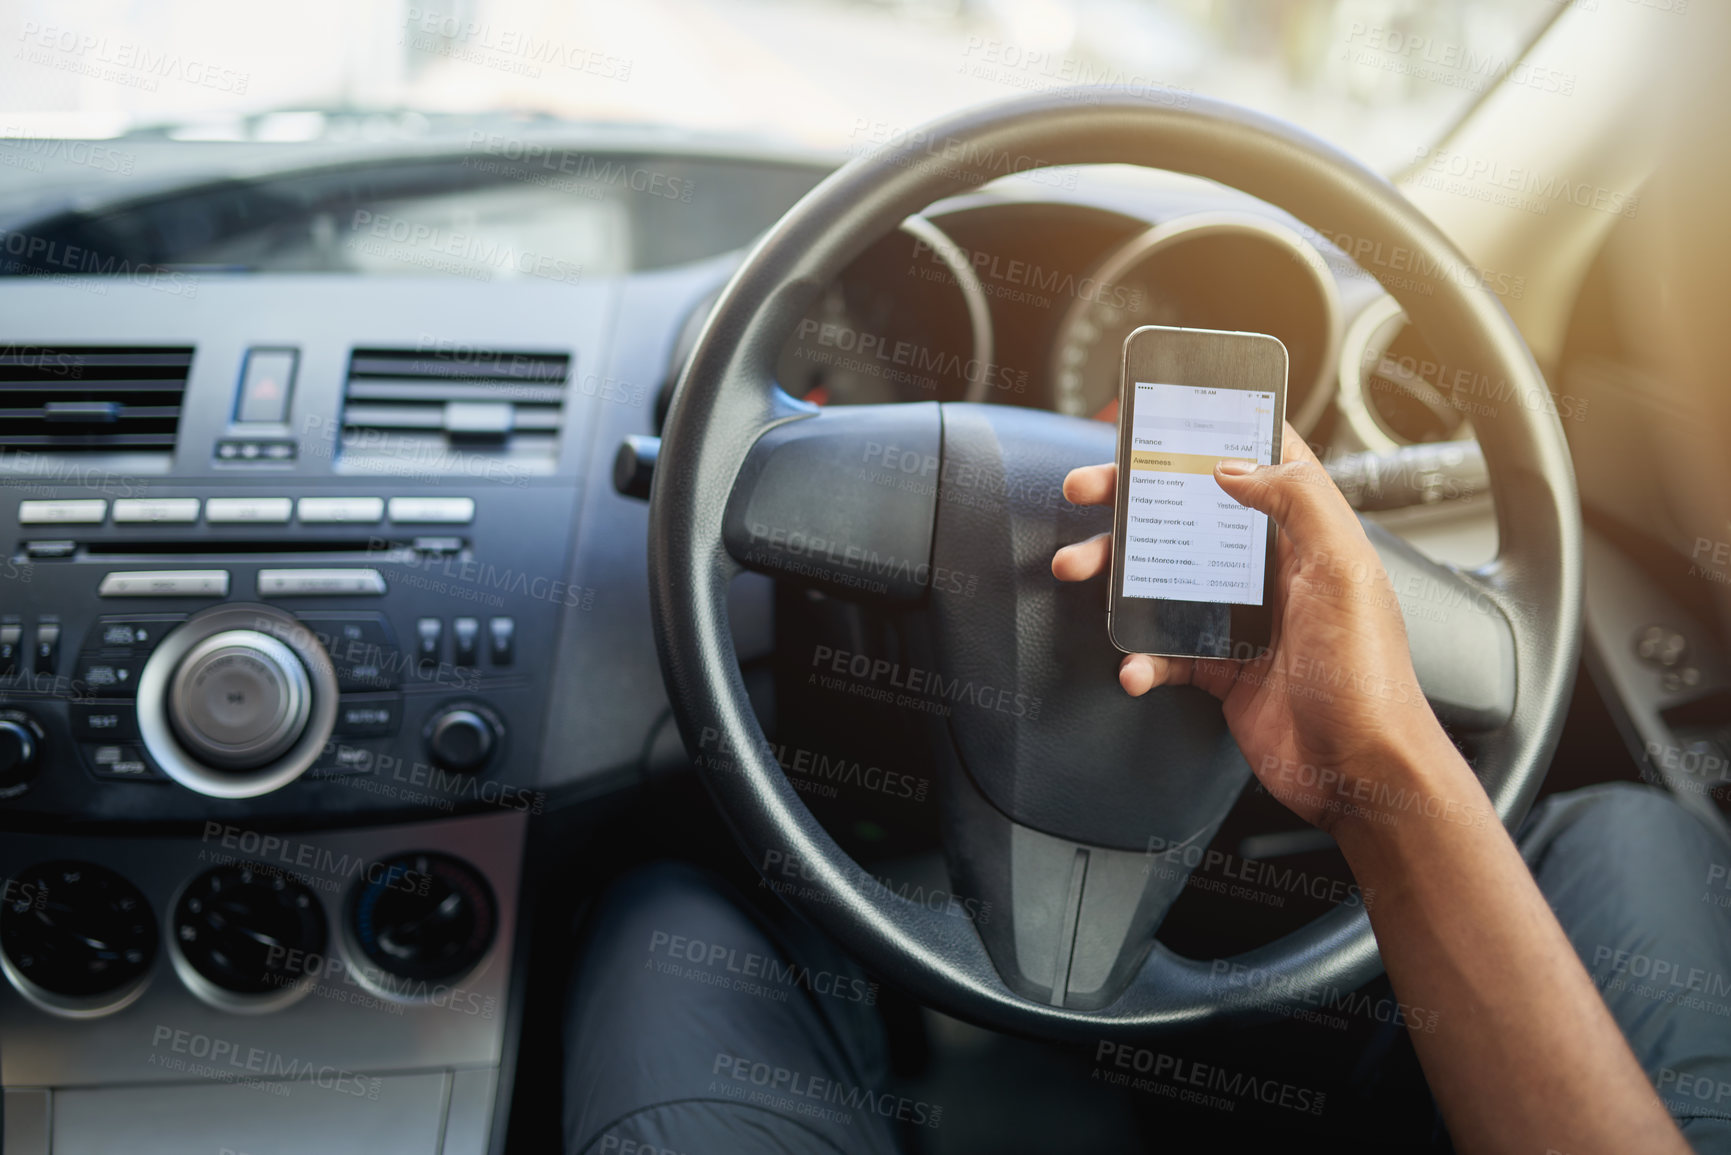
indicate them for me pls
(1524, 1056)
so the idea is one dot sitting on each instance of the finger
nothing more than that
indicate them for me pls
(1091, 485)
(1299, 495)
(1083, 560)
(1293, 447)
(1139, 673)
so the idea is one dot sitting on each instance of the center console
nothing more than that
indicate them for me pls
(282, 608)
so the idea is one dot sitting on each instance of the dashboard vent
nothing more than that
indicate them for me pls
(440, 410)
(80, 399)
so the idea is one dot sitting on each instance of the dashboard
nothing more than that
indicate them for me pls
(315, 587)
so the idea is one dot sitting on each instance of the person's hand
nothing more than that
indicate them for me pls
(1333, 705)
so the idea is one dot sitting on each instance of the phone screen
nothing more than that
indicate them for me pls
(1184, 538)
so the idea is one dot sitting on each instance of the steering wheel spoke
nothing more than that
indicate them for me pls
(1463, 647)
(1072, 923)
(842, 500)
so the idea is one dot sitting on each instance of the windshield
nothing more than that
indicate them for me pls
(1377, 77)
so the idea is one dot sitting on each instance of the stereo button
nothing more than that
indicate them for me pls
(433, 510)
(373, 717)
(466, 639)
(134, 634)
(361, 649)
(351, 759)
(502, 641)
(284, 583)
(107, 677)
(121, 762)
(429, 641)
(117, 722)
(156, 510)
(248, 510)
(341, 510)
(347, 756)
(79, 512)
(47, 647)
(119, 635)
(167, 583)
(11, 643)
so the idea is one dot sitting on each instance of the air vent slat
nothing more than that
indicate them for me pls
(488, 404)
(81, 399)
(62, 384)
(544, 420)
(11, 357)
(410, 389)
(469, 365)
(128, 413)
(107, 412)
(395, 417)
(80, 441)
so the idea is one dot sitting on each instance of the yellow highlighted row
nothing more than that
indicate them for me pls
(1173, 462)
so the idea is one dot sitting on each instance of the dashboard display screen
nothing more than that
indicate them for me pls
(1185, 539)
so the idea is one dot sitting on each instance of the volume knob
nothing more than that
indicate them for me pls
(239, 700)
(20, 748)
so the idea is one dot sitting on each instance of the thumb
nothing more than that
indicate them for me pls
(1299, 495)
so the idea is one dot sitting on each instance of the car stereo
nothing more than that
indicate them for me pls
(284, 650)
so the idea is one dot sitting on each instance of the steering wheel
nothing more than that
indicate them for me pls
(1054, 783)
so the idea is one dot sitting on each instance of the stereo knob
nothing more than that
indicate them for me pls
(20, 748)
(461, 739)
(239, 700)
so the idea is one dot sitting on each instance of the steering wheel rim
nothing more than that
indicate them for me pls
(726, 404)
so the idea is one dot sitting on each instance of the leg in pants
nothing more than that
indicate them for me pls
(1638, 884)
(693, 1028)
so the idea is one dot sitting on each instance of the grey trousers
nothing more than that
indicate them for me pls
(1641, 887)
(694, 1029)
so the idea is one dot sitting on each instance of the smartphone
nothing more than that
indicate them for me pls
(1192, 570)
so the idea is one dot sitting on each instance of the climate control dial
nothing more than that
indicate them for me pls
(248, 936)
(423, 917)
(77, 939)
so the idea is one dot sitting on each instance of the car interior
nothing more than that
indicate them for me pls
(453, 459)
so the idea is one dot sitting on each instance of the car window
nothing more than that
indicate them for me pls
(1374, 76)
